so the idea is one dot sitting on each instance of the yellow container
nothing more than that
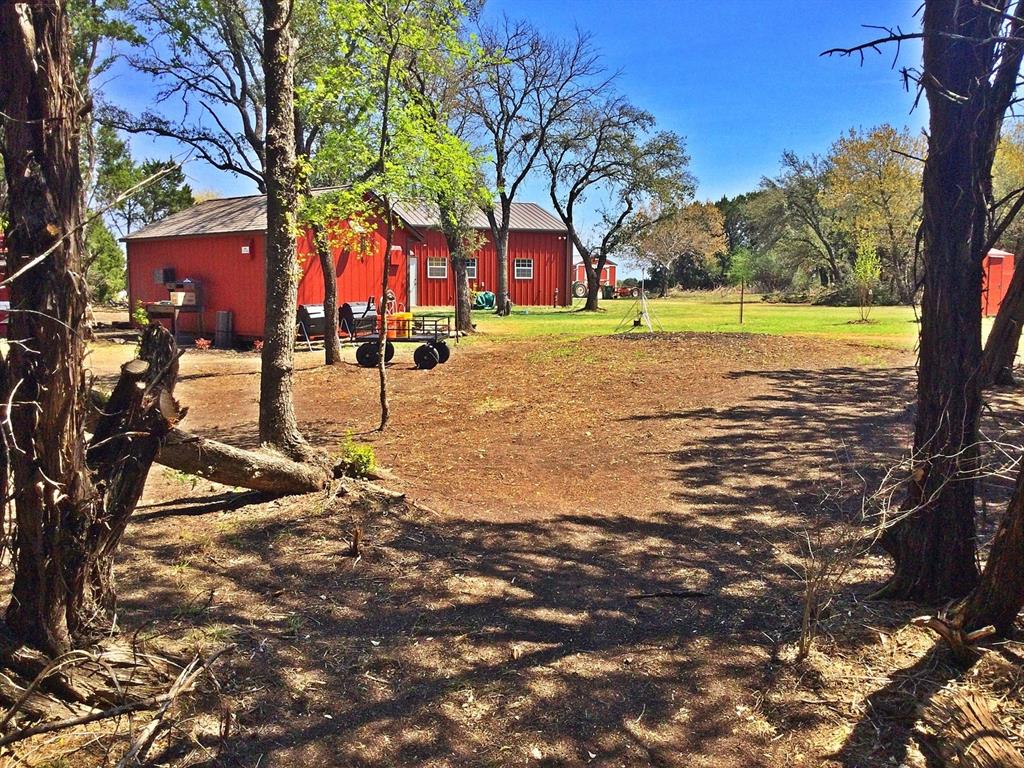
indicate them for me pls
(400, 325)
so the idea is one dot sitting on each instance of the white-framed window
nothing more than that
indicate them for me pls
(471, 269)
(523, 269)
(437, 268)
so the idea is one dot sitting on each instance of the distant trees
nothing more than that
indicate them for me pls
(529, 88)
(116, 172)
(610, 152)
(683, 247)
(814, 239)
(874, 184)
(803, 225)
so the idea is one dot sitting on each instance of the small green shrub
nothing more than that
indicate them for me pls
(139, 316)
(356, 458)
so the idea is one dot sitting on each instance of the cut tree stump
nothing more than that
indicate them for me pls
(967, 734)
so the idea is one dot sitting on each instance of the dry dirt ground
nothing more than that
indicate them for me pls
(598, 564)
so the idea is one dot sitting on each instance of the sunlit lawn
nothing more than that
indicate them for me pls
(715, 312)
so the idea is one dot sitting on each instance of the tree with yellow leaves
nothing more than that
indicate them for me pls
(696, 232)
(874, 182)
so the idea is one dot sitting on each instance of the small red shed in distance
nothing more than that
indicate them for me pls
(607, 276)
(997, 271)
(220, 245)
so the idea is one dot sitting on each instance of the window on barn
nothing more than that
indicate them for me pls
(437, 268)
(471, 269)
(524, 269)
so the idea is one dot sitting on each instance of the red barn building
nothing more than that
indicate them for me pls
(219, 245)
(997, 271)
(607, 276)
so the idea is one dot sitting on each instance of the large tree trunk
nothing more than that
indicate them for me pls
(332, 349)
(593, 281)
(1001, 347)
(45, 384)
(934, 545)
(277, 423)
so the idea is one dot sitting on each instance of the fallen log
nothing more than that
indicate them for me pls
(967, 734)
(258, 470)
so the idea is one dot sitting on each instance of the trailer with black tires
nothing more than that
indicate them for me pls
(359, 323)
(431, 333)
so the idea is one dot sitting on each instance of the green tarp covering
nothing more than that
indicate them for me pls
(484, 300)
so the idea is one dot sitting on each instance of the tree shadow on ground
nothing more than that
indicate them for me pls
(459, 642)
(456, 642)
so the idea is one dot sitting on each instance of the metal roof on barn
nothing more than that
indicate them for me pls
(524, 217)
(226, 215)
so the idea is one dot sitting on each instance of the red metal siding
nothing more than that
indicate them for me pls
(997, 269)
(233, 280)
(550, 268)
(359, 277)
(548, 250)
(230, 279)
(437, 292)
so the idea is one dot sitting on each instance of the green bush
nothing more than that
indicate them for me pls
(356, 458)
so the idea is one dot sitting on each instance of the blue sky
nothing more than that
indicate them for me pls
(741, 80)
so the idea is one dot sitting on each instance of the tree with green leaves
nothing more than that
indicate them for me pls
(613, 153)
(401, 147)
(104, 263)
(867, 271)
(457, 185)
(117, 172)
(874, 184)
(694, 235)
(742, 265)
(813, 237)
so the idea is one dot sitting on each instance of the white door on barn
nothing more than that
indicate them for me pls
(413, 283)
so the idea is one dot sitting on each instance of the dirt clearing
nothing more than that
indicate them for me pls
(594, 569)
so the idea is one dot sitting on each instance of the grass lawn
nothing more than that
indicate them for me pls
(893, 327)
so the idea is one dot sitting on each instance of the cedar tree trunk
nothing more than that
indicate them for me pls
(332, 349)
(933, 547)
(278, 426)
(45, 381)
